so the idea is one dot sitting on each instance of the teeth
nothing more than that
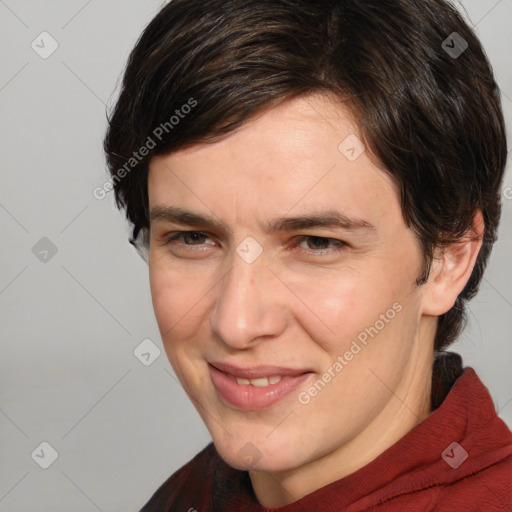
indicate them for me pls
(260, 383)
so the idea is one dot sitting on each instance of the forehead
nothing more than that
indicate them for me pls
(302, 155)
(301, 128)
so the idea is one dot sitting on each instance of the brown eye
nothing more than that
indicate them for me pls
(187, 238)
(320, 244)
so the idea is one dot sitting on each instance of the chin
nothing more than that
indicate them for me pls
(258, 455)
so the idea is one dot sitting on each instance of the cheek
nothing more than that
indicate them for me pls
(180, 300)
(170, 296)
(340, 306)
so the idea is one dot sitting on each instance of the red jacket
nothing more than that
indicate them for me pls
(426, 470)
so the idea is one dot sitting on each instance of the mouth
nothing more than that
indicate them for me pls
(255, 388)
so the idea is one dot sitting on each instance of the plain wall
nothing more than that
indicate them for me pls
(69, 325)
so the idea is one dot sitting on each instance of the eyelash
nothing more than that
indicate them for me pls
(341, 245)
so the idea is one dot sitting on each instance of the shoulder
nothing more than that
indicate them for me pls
(197, 474)
(489, 489)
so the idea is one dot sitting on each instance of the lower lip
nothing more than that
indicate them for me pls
(251, 397)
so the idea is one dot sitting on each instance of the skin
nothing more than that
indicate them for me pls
(303, 301)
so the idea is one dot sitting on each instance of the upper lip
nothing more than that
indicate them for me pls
(255, 372)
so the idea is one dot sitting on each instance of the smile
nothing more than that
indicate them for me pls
(255, 388)
(259, 383)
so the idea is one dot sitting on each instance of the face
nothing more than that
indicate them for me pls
(318, 318)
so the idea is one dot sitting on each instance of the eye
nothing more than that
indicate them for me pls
(318, 244)
(194, 236)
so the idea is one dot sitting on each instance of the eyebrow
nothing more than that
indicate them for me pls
(325, 219)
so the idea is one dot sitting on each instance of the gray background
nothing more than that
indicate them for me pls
(69, 325)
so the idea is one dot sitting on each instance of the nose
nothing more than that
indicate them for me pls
(248, 308)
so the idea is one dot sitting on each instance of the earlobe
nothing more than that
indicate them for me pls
(451, 270)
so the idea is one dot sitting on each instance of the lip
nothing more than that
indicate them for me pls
(255, 372)
(250, 397)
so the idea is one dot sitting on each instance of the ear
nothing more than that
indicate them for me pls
(451, 270)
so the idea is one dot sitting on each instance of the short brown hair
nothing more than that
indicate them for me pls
(430, 117)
